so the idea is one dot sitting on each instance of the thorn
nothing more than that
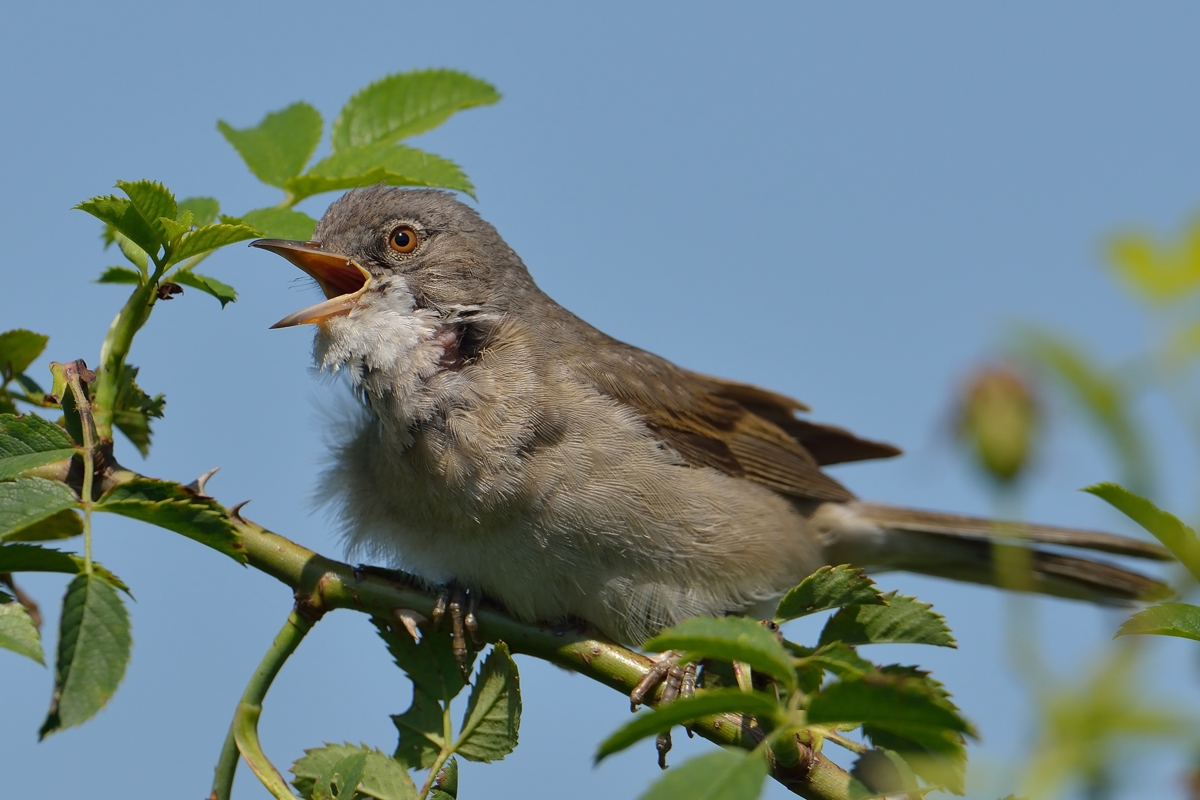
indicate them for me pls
(236, 511)
(410, 620)
(197, 485)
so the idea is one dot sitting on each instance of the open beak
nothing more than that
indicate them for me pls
(341, 279)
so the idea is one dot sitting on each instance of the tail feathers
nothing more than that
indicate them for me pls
(960, 548)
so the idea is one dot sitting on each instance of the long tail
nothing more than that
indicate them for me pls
(884, 537)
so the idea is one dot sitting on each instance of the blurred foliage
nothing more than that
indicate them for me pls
(1086, 729)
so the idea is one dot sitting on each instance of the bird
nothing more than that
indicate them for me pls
(507, 446)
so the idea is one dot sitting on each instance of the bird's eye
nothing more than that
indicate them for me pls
(403, 239)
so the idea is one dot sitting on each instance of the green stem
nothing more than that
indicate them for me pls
(243, 731)
(332, 584)
(128, 322)
(443, 756)
(83, 407)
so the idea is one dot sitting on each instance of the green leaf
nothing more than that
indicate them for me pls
(281, 223)
(881, 772)
(203, 210)
(30, 441)
(407, 104)
(730, 639)
(829, 587)
(719, 775)
(133, 409)
(93, 650)
(120, 275)
(430, 664)
(445, 785)
(178, 509)
(31, 558)
(421, 731)
(903, 619)
(887, 701)
(340, 780)
(18, 350)
(279, 146)
(1102, 395)
(174, 229)
(840, 659)
(1167, 528)
(689, 709)
(18, 633)
(489, 727)
(383, 778)
(136, 255)
(124, 218)
(367, 165)
(1165, 619)
(63, 525)
(1160, 273)
(939, 757)
(210, 237)
(222, 291)
(152, 200)
(28, 500)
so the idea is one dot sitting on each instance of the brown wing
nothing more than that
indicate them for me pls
(737, 428)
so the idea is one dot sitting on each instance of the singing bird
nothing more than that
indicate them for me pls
(509, 447)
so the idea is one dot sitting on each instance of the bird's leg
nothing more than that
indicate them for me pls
(676, 681)
(451, 601)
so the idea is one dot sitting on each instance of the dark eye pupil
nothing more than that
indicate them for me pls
(402, 238)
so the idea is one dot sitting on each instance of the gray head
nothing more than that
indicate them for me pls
(422, 243)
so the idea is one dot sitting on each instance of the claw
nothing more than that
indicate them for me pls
(450, 602)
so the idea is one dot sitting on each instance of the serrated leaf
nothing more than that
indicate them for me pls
(133, 409)
(203, 209)
(28, 500)
(367, 165)
(281, 223)
(445, 785)
(1165, 619)
(93, 650)
(278, 147)
(174, 229)
(421, 731)
(383, 778)
(124, 218)
(940, 757)
(903, 619)
(430, 664)
(406, 104)
(18, 633)
(1167, 528)
(887, 701)
(222, 291)
(493, 717)
(688, 709)
(32, 558)
(30, 441)
(152, 200)
(719, 775)
(829, 587)
(210, 237)
(171, 506)
(120, 275)
(63, 525)
(18, 349)
(341, 779)
(729, 639)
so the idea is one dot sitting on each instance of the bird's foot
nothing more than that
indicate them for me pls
(676, 681)
(460, 605)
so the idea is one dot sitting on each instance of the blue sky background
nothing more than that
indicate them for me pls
(849, 203)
